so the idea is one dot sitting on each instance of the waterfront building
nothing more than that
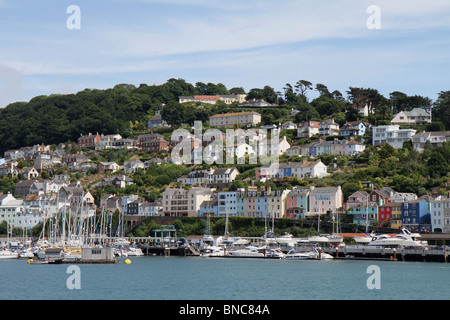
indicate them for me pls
(440, 215)
(297, 203)
(208, 208)
(276, 202)
(143, 208)
(416, 214)
(180, 202)
(77, 201)
(396, 213)
(357, 199)
(251, 202)
(9, 208)
(227, 203)
(326, 199)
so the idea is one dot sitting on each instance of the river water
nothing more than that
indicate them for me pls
(194, 278)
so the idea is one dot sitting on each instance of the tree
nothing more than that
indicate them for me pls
(441, 109)
(237, 90)
(173, 113)
(323, 90)
(437, 165)
(301, 87)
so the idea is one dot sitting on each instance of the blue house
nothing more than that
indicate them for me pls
(416, 214)
(354, 128)
(208, 207)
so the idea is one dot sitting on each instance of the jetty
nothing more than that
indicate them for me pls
(90, 255)
(423, 254)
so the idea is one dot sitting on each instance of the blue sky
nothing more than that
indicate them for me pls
(246, 44)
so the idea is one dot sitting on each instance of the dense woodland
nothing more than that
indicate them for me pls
(126, 108)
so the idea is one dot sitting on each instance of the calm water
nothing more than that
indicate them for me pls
(192, 278)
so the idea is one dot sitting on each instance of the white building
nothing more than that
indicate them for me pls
(391, 134)
(328, 128)
(415, 116)
(9, 208)
(436, 138)
(307, 129)
(107, 141)
(151, 209)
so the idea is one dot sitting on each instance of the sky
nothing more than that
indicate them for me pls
(48, 48)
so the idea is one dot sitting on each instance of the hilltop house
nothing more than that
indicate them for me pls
(415, 116)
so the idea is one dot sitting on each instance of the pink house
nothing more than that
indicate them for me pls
(323, 200)
(357, 199)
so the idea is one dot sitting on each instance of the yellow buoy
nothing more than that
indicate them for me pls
(127, 261)
(30, 261)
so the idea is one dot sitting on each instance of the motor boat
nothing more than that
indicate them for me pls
(8, 254)
(275, 253)
(236, 241)
(385, 240)
(213, 251)
(120, 242)
(249, 251)
(134, 252)
(287, 240)
(409, 239)
(317, 254)
(296, 255)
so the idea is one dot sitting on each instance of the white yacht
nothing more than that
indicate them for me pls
(287, 240)
(250, 251)
(410, 239)
(317, 254)
(275, 253)
(134, 252)
(296, 255)
(213, 251)
(364, 239)
(318, 239)
(8, 254)
(385, 240)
